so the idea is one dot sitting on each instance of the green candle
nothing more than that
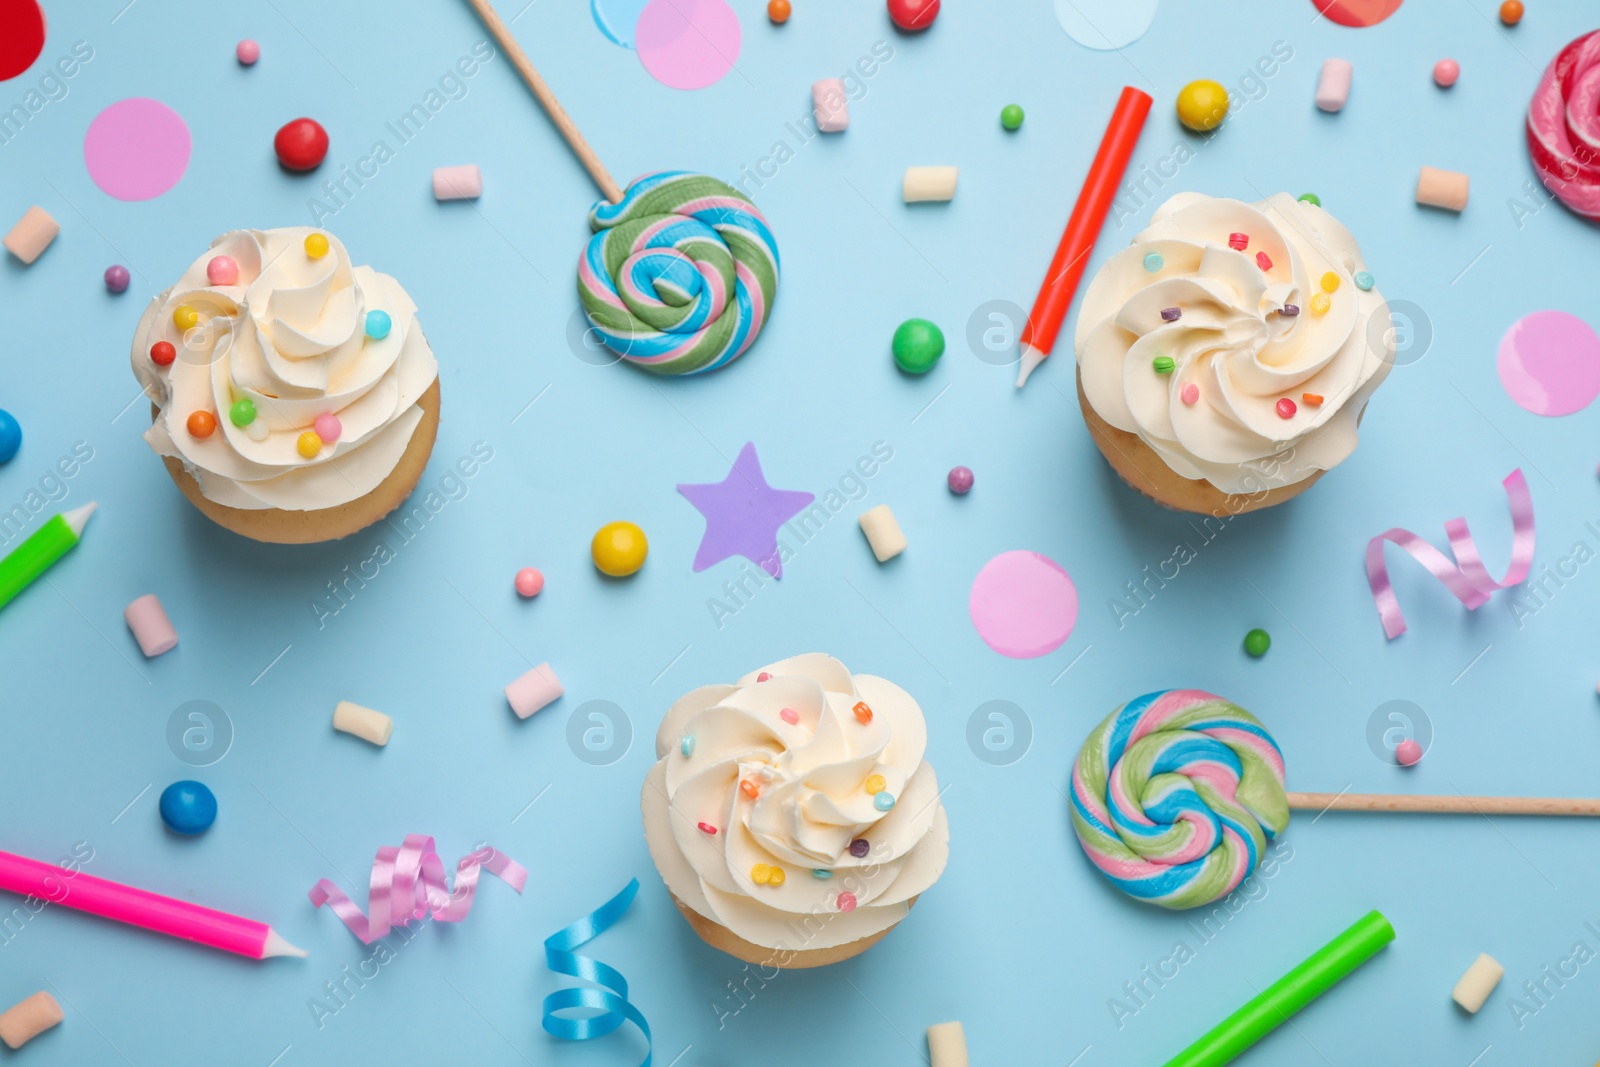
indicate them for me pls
(1265, 1013)
(36, 555)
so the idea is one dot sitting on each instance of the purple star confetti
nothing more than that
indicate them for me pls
(743, 515)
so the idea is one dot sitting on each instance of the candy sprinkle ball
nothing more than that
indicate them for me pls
(1257, 641)
(1011, 116)
(1511, 12)
(779, 11)
(619, 549)
(1202, 105)
(530, 583)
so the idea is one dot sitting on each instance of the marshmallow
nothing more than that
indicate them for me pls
(883, 533)
(1333, 87)
(362, 722)
(458, 183)
(26, 1021)
(928, 183)
(150, 625)
(1479, 981)
(533, 690)
(947, 1045)
(830, 105)
(32, 234)
(1442, 188)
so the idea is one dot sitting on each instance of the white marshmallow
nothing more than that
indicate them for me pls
(362, 722)
(830, 105)
(947, 1045)
(1479, 981)
(458, 183)
(929, 183)
(1333, 87)
(883, 533)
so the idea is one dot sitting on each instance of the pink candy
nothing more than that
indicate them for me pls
(529, 582)
(222, 270)
(1445, 73)
(1564, 126)
(1190, 394)
(533, 691)
(1408, 752)
(150, 625)
(830, 105)
(248, 52)
(328, 427)
(1333, 87)
(789, 715)
(458, 183)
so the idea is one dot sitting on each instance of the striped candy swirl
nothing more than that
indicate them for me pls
(680, 277)
(1564, 126)
(1175, 796)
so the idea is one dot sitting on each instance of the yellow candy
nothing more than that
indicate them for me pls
(185, 317)
(316, 245)
(1330, 282)
(309, 444)
(619, 549)
(876, 783)
(1202, 105)
(1320, 304)
(761, 874)
(775, 876)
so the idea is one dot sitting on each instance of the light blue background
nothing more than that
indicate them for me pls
(1021, 940)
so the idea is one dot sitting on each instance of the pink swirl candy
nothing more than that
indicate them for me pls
(1564, 126)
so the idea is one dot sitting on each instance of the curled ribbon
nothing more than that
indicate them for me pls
(611, 999)
(408, 882)
(1465, 576)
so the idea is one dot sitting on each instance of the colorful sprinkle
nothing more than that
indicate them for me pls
(1238, 241)
(686, 746)
(162, 353)
(959, 480)
(1320, 304)
(1190, 394)
(763, 677)
(875, 783)
(316, 245)
(821, 873)
(308, 444)
(1364, 281)
(378, 325)
(1408, 752)
(1153, 262)
(1011, 117)
(777, 10)
(1289, 310)
(761, 874)
(883, 801)
(1257, 641)
(859, 848)
(185, 317)
(258, 430)
(1162, 364)
(1511, 12)
(243, 412)
(776, 876)
(1263, 261)
(749, 789)
(789, 715)
(1330, 282)
(847, 902)
(222, 270)
(201, 424)
(1171, 314)
(328, 427)
(707, 829)
(863, 713)
(529, 582)
(117, 278)
(1311, 198)
(1286, 408)
(1313, 400)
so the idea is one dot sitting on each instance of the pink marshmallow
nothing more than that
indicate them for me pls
(533, 691)
(23, 1022)
(1333, 88)
(830, 105)
(458, 183)
(32, 234)
(150, 625)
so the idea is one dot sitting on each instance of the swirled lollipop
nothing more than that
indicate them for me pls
(1564, 126)
(682, 271)
(680, 276)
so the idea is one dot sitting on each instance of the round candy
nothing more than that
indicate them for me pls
(117, 279)
(1445, 73)
(779, 11)
(316, 245)
(243, 412)
(308, 444)
(328, 427)
(301, 144)
(188, 808)
(959, 480)
(1011, 116)
(1202, 105)
(248, 52)
(1408, 752)
(917, 345)
(1511, 12)
(680, 277)
(222, 270)
(1176, 795)
(1312, 199)
(162, 353)
(10, 437)
(378, 325)
(185, 317)
(619, 549)
(1563, 126)
(201, 424)
(531, 583)
(1257, 641)
(913, 15)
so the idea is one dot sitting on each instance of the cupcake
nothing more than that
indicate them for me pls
(294, 397)
(1225, 358)
(792, 815)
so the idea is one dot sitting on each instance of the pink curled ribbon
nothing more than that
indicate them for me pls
(1465, 576)
(408, 883)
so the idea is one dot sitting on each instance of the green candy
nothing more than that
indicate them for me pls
(243, 412)
(1162, 364)
(1257, 641)
(1311, 198)
(918, 344)
(1011, 116)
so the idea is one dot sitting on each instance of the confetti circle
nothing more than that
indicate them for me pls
(1023, 604)
(1550, 363)
(1357, 12)
(21, 36)
(1105, 27)
(687, 44)
(137, 149)
(617, 19)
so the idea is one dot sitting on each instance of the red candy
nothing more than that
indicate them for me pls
(913, 15)
(1238, 241)
(1286, 408)
(301, 144)
(162, 353)
(1263, 261)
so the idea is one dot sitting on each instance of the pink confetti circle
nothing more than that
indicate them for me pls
(1023, 604)
(1550, 363)
(137, 149)
(687, 44)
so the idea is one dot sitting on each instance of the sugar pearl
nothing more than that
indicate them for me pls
(222, 270)
(530, 583)
(847, 902)
(328, 427)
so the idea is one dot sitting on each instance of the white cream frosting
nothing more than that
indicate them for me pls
(1233, 343)
(288, 335)
(812, 805)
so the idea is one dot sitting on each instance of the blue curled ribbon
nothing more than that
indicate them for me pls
(612, 999)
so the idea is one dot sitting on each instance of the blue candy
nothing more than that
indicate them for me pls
(378, 324)
(10, 437)
(188, 808)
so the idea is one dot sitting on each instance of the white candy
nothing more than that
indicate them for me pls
(1333, 87)
(362, 722)
(947, 1045)
(883, 533)
(1479, 981)
(929, 183)
(830, 105)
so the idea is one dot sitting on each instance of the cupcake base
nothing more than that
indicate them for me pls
(1143, 469)
(725, 940)
(276, 526)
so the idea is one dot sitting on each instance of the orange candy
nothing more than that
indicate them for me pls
(749, 789)
(863, 713)
(779, 11)
(201, 424)
(1511, 12)
(1311, 400)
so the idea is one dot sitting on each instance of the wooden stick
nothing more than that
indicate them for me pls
(552, 106)
(1447, 805)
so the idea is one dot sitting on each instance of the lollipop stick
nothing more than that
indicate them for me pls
(552, 106)
(1456, 805)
